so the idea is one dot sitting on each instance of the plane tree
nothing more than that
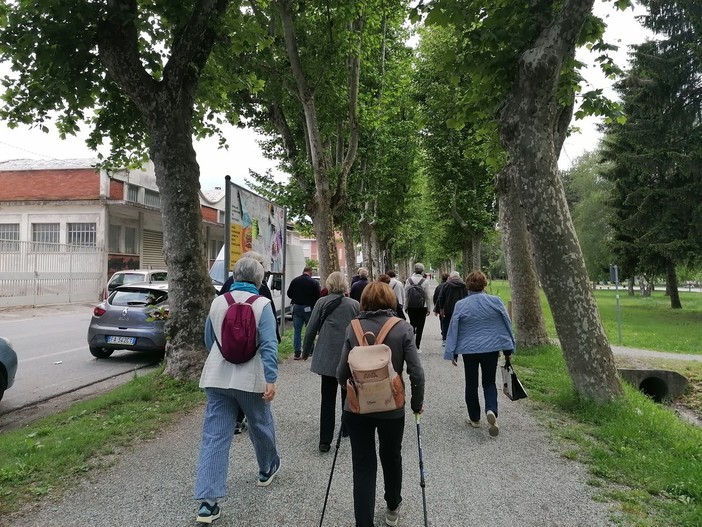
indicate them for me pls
(518, 59)
(133, 72)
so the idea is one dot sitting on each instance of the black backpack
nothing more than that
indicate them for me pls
(415, 295)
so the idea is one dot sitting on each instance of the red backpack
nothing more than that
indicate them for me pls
(238, 330)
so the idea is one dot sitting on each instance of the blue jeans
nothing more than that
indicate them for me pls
(218, 432)
(488, 366)
(300, 319)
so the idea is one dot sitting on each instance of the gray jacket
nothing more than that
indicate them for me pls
(327, 351)
(404, 351)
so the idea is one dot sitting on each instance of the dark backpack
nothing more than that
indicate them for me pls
(415, 294)
(238, 330)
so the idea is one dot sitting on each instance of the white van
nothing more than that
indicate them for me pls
(294, 264)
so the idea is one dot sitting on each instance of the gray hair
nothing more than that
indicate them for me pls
(419, 268)
(337, 283)
(455, 274)
(363, 272)
(253, 254)
(248, 270)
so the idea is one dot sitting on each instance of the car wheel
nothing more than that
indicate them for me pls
(100, 353)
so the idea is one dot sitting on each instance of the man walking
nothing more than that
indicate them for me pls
(418, 301)
(303, 293)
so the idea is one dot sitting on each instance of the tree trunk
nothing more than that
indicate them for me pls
(527, 315)
(350, 248)
(323, 226)
(190, 288)
(467, 254)
(630, 285)
(527, 124)
(672, 286)
(366, 250)
(477, 242)
(376, 261)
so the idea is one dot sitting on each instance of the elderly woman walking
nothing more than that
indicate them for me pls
(378, 303)
(479, 329)
(330, 317)
(249, 386)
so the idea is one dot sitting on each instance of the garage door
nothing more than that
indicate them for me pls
(152, 251)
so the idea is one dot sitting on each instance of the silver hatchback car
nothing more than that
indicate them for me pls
(131, 318)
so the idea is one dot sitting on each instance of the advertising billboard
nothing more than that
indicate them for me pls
(256, 224)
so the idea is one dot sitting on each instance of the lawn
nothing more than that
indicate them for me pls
(646, 322)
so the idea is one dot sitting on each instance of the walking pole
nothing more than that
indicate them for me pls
(331, 475)
(421, 472)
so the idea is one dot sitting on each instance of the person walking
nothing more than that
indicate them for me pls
(330, 317)
(399, 292)
(358, 285)
(454, 289)
(479, 329)
(303, 293)
(263, 290)
(418, 302)
(377, 307)
(228, 386)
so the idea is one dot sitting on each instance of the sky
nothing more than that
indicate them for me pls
(244, 154)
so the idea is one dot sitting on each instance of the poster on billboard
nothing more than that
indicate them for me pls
(256, 224)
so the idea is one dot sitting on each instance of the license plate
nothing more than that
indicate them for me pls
(129, 341)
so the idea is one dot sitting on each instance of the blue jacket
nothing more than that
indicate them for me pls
(479, 324)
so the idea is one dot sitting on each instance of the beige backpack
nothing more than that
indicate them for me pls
(374, 385)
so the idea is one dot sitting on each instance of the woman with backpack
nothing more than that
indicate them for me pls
(378, 303)
(330, 317)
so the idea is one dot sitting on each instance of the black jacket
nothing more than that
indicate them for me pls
(303, 291)
(357, 288)
(453, 291)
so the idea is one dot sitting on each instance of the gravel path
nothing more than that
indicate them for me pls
(516, 479)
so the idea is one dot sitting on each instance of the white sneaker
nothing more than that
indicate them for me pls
(392, 517)
(474, 424)
(492, 421)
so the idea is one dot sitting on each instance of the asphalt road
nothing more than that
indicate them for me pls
(53, 354)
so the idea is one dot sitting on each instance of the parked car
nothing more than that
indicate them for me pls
(8, 365)
(131, 318)
(135, 275)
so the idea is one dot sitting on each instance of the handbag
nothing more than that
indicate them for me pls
(512, 387)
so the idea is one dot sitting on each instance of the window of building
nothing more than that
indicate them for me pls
(132, 193)
(45, 237)
(215, 246)
(114, 241)
(82, 234)
(130, 241)
(222, 217)
(9, 237)
(152, 198)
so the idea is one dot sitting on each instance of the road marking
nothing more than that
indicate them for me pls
(48, 355)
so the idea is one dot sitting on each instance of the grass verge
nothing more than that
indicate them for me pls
(47, 456)
(639, 453)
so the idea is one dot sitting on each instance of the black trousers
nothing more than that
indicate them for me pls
(361, 430)
(327, 414)
(417, 318)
